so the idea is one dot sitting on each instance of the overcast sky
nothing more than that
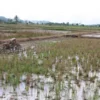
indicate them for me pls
(73, 11)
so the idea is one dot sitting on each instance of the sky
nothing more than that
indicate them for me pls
(72, 11)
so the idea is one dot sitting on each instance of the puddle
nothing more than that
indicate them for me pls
(92, 35)
(46, 88)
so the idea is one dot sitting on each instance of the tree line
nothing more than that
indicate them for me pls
(17, 20)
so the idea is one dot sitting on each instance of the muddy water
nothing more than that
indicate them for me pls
(97, 35)
(46, 88)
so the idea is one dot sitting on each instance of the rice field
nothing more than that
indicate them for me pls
(63, 69)
(8, 31)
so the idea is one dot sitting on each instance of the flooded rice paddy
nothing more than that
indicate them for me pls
(45, 88)
(58, 71)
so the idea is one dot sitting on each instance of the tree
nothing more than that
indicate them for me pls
(67, 24)
(16, 19)
(10, 21)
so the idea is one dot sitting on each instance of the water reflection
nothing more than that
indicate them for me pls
(46, 88)
(97, 35)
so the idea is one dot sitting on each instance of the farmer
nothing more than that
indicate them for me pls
(13, 41)
(12, 45)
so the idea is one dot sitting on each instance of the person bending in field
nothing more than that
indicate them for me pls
(10, 45)
(13, 41)
(13, 45)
